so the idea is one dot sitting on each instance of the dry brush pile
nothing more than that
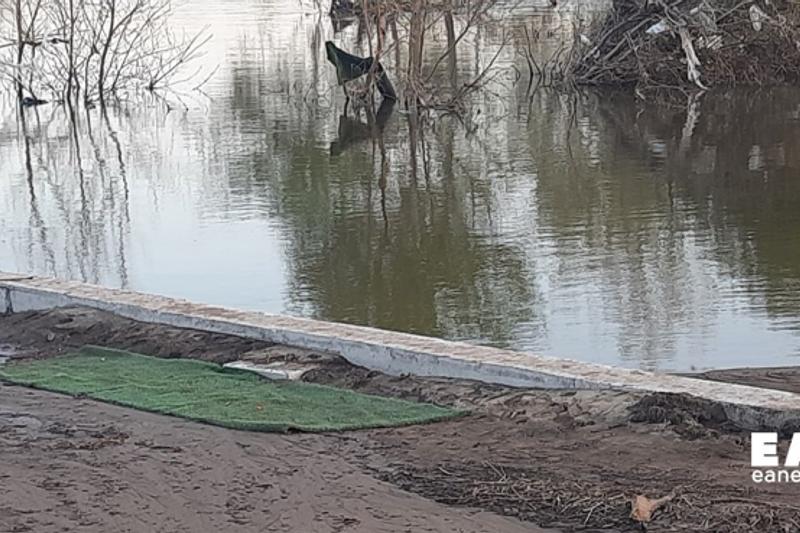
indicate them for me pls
(657, 44)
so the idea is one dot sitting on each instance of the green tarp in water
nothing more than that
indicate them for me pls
(206, 392)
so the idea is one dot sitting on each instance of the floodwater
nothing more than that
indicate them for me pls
(588, 226)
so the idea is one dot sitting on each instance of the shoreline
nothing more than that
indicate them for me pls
(523, 459)
(395, 353)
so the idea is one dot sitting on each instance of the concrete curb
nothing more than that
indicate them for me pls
(5, 300)
(401, 353)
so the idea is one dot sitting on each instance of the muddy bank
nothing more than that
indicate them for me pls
(51, 333)
(569, 460)
(78, 465)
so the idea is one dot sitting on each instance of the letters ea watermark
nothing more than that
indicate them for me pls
(766, 461)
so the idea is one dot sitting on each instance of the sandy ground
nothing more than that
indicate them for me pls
(567, 460)
(72, 465)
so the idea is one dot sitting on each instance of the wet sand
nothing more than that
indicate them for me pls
(566, 460)
(71, 464)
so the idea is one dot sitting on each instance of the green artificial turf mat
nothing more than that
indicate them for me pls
(206, 392)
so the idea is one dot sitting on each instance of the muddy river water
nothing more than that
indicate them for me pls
(590, 226)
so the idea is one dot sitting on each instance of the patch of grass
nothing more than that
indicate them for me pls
(206, 392)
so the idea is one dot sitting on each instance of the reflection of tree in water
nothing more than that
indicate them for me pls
(353, 130)
(80, 223)
(36, 222)
(607, 213)
(619, 252)
(423, 271)
(670, 202)
(739, 168)
(613, 210)
(369, 243)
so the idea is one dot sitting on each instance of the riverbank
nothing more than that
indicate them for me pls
(79, 465)
(401, 354)
(568, 460)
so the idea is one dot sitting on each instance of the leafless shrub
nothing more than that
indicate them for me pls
(551, 71)
(91, 50)
(390, 26)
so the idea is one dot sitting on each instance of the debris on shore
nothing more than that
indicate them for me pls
(691, 44)
(524, 459)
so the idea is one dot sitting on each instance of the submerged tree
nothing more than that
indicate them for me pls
(407, 25)
(90, 51)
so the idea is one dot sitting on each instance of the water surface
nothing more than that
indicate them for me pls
(590, 226)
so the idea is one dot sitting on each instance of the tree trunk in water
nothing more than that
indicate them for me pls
(101, 80)
(415, 45)
(71, 75)
(20, 49)
(451, 46)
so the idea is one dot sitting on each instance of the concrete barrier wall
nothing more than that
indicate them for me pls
(5, 300)
(399, 353)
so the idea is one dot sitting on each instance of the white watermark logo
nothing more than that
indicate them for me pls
(766, 461)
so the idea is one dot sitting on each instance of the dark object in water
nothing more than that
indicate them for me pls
(340, 23)
(353, 131)
(31, 101)
(343, 13)
(350, 67)
(344, 8)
